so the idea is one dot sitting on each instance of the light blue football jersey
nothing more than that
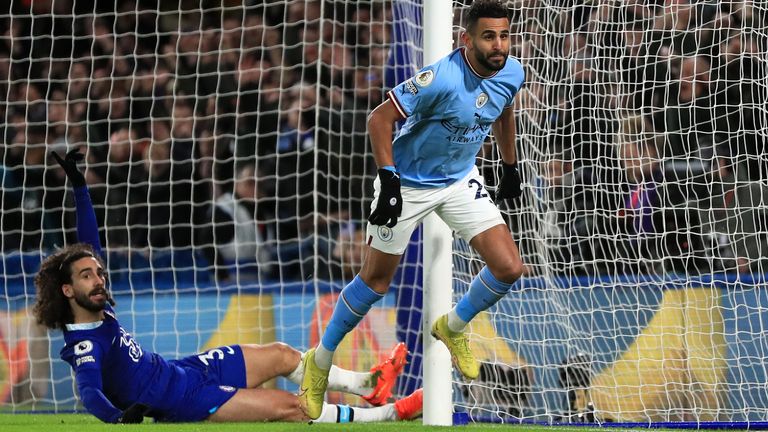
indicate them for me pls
(449, 111)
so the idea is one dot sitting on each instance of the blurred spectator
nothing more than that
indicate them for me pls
(166, 214)
(32, 211)
(263, 38)
(556, 222)
(739, 69)
(295, 164)
(738, 220)
(12, 195)
(195, 71)
(591, 196)
(118, 186)
(665, 234)
(257, 107)
(155, 212)
(693, 121)
(642, 211)
(301, 37)
(182, 133)
(349, 251)
(78, 81)
(240, 228)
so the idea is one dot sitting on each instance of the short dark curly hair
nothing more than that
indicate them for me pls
(484, 9)
(51, 305)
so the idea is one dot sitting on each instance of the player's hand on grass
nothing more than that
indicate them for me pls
(390, 202)
(134, 414)
(69, 164)
(510, 186)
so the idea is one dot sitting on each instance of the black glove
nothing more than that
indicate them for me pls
(390, 202)
(69, 163)
(134, 414)
(510, 184)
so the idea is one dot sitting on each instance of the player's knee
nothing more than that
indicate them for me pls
(518, 270)
(286, 354)
(510, 272)
(377, 283)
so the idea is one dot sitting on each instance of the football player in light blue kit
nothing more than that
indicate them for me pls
(449, 109)
(120, 382)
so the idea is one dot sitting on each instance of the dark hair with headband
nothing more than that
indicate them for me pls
(51, 305)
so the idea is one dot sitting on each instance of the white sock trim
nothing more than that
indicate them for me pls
(347, 381)
(323, 357)
(298, 374)
(456, 324)
(360, 415)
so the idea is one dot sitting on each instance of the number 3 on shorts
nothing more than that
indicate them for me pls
(480, 192)
(215, 353)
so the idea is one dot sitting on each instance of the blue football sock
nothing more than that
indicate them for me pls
(484, 291)
(354, 302)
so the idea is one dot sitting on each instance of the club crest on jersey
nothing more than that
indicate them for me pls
(385, 233)
(424, 79)
(134, 350)
(83, 347)
(481, 100)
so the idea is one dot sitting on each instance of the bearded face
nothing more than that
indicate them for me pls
(488, 44)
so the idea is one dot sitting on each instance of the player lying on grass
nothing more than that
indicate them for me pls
(119, 381)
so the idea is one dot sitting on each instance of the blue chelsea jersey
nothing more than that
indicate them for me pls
(112, 371)
(449, 110)
(104, 356)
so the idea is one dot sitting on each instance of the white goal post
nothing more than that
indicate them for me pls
(438, 245)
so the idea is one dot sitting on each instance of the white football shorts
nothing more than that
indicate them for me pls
(465, 206)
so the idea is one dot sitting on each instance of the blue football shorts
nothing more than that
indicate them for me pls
(213, 377)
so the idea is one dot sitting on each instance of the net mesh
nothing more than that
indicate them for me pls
(229, 165)
(642, 133)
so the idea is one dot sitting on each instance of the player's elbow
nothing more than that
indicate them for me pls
(373, 120)
(383, 118)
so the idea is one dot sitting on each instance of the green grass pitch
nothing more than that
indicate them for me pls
(87, 423)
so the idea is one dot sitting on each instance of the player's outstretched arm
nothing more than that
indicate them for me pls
(389, 205)
(87, 228)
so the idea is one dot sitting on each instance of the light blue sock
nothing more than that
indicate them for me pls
(484, 291)
(354, 302)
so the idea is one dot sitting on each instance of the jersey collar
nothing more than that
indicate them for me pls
(466, 60)
(84, 326)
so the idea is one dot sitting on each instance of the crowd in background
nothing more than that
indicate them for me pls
(646, 120)
(239, 131)
(200, 126)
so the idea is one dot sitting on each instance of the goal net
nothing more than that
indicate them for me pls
(641, 133)
(231, 173)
